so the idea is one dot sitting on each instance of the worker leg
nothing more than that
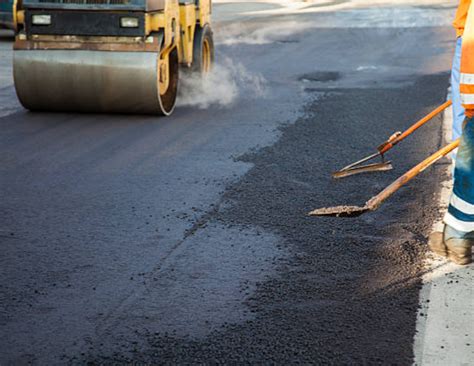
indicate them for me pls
(458, 109)
(459, 220)
(436, 240)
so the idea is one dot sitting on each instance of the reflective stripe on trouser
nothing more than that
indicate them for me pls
(458, 109)
(460, 215)
(466, 86)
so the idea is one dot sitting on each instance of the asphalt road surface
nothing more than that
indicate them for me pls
(186, 240)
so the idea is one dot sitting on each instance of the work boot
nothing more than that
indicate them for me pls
(458, 245)
(460, 250)
(437, 245)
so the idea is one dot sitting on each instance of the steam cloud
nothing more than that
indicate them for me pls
(239, 34)
(221, 86)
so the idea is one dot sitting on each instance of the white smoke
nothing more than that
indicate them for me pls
(221, 87)
(264, 34)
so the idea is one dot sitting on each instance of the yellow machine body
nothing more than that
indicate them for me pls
(98, 57)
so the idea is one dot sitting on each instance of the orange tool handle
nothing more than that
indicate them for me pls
(376, 201)
(399, 136)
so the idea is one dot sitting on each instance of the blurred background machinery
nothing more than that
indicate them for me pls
(111, 56)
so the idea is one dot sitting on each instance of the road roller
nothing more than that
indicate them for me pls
(108, 56)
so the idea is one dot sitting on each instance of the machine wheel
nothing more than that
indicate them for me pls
(203, 50)
(167, 97)
(96, 81)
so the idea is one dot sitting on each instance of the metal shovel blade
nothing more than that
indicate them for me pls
(377, 167)
(377, 200)
(340, 211)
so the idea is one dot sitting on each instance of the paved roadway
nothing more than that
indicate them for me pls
(185, 239)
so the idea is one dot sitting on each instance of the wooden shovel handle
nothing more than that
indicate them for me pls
(376, 201)
(399, 136)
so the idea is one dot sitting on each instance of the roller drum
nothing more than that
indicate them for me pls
(88, 81)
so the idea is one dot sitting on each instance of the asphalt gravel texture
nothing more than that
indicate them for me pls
(186, 239)
(347, 291)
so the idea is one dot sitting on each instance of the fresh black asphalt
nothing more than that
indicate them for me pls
(186, 239)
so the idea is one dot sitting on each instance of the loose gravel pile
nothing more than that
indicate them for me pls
(347, 293)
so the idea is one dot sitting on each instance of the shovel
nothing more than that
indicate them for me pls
(357, 167)
(376, 201)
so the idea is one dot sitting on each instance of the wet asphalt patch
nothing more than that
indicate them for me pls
(320, 76)
(347, 292)
(283, 41)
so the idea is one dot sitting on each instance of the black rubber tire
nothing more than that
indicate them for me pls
(168, 99)
(201, 35)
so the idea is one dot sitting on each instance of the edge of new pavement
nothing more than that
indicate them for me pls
(444, 323)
